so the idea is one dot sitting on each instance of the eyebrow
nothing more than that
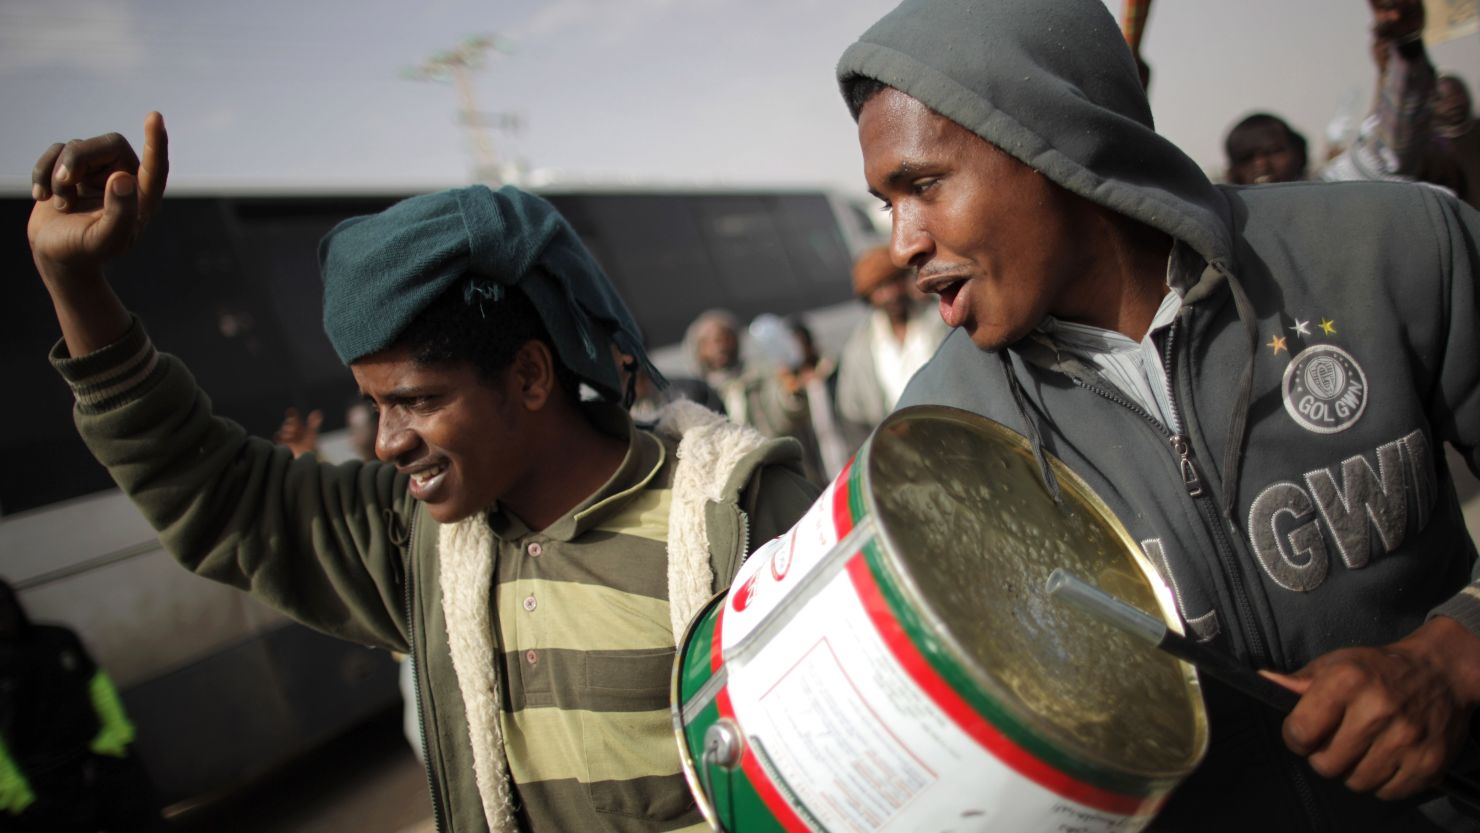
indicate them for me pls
(406, 394)
(901, 175)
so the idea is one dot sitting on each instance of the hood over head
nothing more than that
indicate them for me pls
(1053, 84)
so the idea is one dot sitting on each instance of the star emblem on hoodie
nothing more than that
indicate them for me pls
(1276, 344)
(1301, 328)
(1328, 326)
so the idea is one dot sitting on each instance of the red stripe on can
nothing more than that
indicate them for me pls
(759, 780)
(983, 732)
(842, 514)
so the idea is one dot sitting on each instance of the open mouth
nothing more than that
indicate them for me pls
(425, 481)
(952, 308)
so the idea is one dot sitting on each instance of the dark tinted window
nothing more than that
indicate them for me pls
(233, 291)
(751, 262)
(676, 255)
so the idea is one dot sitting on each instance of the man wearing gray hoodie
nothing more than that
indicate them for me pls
(1259, 382)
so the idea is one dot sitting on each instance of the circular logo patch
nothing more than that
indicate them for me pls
(1325, 390)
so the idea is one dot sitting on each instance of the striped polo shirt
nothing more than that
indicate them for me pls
(587, 654)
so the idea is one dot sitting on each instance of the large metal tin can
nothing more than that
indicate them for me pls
(892, 663)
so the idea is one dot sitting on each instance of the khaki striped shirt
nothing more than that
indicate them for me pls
(587, 652)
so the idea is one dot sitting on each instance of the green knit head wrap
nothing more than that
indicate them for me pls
(381, 271)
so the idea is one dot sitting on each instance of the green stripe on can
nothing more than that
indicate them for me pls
(736, 802)
(737, 805)
(696, 655)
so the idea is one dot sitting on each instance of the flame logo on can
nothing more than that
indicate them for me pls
(745, 594)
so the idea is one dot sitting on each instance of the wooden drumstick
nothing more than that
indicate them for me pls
(1106, 608)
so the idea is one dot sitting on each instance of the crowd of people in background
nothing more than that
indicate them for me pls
(1420, 126)
(788, 387)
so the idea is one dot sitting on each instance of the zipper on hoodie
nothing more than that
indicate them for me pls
(1181, 443)
(1193, 483)
(1214, 520)
(421, 722)
(1192, 479)
(1182, 446)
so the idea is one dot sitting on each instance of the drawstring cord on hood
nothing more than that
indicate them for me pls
(1239, 418)
(1050, 480)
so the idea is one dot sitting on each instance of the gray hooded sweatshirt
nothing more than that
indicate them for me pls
(1328, 347)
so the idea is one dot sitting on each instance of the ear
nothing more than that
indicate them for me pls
(532, 375)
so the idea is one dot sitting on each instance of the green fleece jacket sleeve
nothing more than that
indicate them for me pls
(312, 540)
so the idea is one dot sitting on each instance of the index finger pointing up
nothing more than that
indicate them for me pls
(154, 168)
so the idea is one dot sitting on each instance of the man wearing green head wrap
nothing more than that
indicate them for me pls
(536, 555)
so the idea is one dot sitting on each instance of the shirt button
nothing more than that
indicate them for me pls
(535, 549)
(530, 604)
(531, 657)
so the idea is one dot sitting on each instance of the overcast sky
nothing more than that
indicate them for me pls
(301, 95)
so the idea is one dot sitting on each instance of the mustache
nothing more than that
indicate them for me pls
(938, 270)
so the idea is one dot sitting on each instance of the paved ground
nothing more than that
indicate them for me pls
(366, 782)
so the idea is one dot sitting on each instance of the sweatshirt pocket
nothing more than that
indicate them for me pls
(627, 728)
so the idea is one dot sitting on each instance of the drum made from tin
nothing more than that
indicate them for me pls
(894, 664)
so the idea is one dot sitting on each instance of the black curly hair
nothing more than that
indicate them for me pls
(858, 89)
(485, 330)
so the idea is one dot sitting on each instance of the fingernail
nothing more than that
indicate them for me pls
(61, 174)
(37, 194)
(123, 187)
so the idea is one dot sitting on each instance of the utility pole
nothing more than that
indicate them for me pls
(457, 66)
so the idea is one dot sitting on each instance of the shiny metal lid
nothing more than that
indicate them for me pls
(970, 535)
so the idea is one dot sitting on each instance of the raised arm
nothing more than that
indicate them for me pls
(315, 541)
(1406, 83)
